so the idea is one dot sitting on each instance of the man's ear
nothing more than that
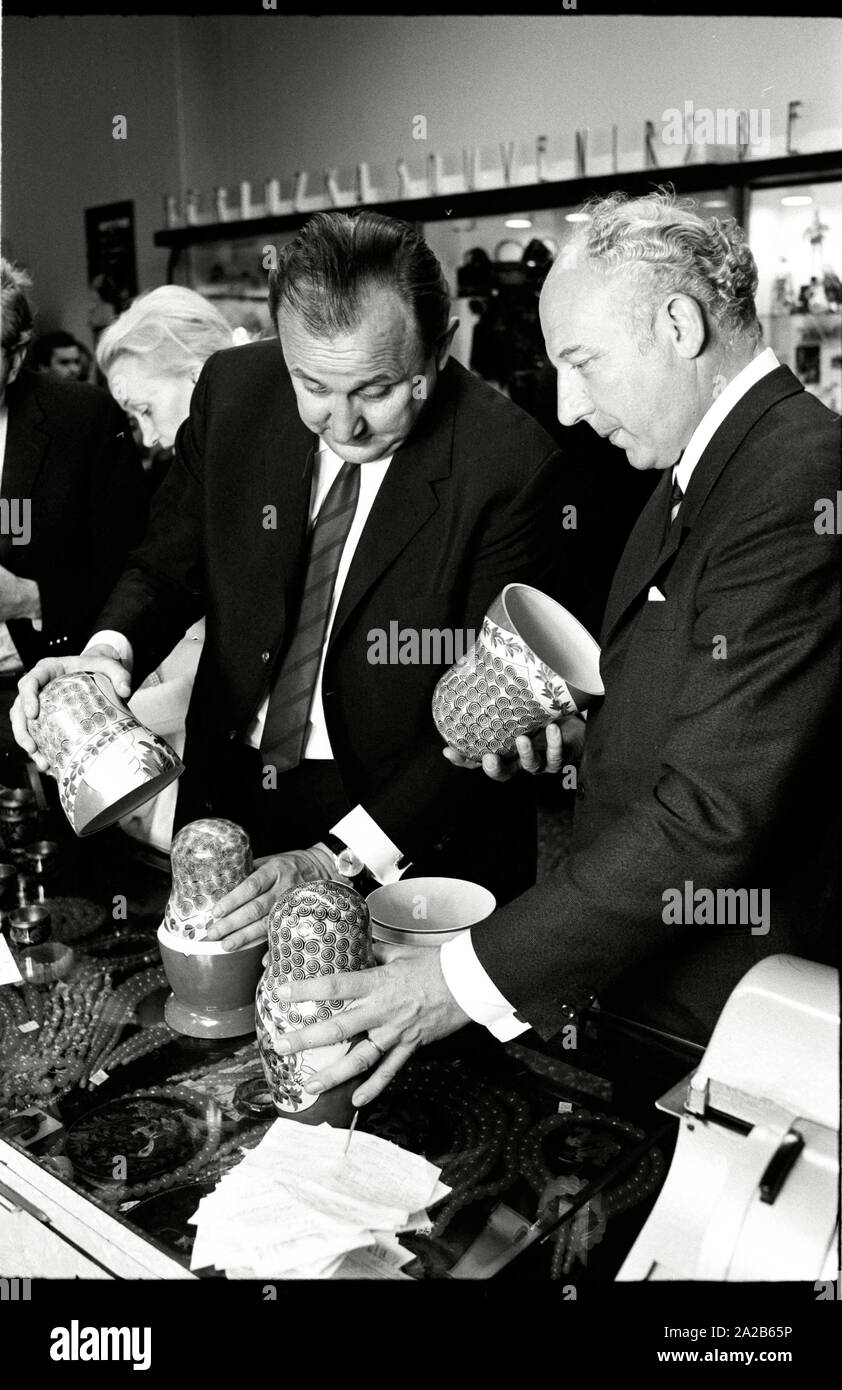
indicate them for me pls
(683, 320)
(445, 343)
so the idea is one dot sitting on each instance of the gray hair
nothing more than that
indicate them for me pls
(170, 328)
(672, 249)
(17, 327)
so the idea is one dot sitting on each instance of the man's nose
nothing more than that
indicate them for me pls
(573, 403)
(346, 423)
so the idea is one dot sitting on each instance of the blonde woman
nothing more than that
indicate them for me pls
(151, 357)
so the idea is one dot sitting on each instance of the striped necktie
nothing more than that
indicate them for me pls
(676, 499)
(285, 729)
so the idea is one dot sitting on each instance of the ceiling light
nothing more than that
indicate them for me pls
(577, 217)
(796, 200)
(715, 203)
(518, 222)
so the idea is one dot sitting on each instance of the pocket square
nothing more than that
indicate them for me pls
(655, 595)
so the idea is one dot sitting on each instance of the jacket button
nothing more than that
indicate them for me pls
(266, 655)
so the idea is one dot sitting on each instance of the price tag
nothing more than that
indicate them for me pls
(27, 1027)
(98, 1078)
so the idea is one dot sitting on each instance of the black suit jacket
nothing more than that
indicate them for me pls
(70, 454)
(471, 501)
(710, 764)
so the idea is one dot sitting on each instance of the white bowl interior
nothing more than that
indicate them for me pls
(557, 638)
(439, 904)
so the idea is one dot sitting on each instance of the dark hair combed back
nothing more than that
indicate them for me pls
(675, 249)
(48, 343)
(16, 308)
(324, 274)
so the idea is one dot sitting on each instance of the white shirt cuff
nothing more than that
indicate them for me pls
(474, 990)
(121, 645)
(369, 843)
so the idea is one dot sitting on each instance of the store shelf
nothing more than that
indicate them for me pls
(686, 178)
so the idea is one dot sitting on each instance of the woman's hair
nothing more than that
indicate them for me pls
(671, 248)
(336, 258)
(171, 329)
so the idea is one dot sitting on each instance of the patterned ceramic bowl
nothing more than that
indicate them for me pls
(105, 762)
(208, 859)
(532, 663)
(314, 930)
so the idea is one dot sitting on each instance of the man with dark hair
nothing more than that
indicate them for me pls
(72, 501)
(707, 831)
(326, 487)
(59, 354)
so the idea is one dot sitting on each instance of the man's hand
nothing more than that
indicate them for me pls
(19, 598)
(557, 746)
(101, 658)
(241, 916)
(400, 1005)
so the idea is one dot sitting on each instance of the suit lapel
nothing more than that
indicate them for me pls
(405, 501)
(653, 543)
(27, 441)
(288, 449)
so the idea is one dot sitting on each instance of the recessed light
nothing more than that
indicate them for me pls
(577, 217)
(796, 200)
(518, 222)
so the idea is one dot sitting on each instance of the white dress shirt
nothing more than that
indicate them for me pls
(471, 986)
(357, 829)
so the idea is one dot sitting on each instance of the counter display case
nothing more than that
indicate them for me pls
(112, 1126)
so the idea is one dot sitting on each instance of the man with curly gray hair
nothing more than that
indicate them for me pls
(704, 836)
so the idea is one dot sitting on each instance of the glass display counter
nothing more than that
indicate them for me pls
(553, 1152)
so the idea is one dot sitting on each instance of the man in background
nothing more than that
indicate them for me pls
(72, 501)
(59, 354)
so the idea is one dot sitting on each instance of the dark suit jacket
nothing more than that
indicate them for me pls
(709, 765)
(471, 501)
(70, 454)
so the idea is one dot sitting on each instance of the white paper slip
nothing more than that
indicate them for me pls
(655, 595)
(9, 973)
(366, 1264)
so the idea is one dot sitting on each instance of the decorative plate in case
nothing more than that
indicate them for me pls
(314, 930)
(208, 858)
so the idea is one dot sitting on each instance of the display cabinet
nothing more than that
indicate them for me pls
(791, 207)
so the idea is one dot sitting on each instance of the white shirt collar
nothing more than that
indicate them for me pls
(757, 368)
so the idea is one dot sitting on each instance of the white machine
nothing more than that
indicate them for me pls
(753, 1188)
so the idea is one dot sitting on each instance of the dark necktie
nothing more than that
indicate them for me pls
(285, 729)
(676, 499)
